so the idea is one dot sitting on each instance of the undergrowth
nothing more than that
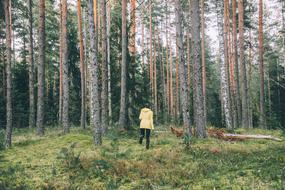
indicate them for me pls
(73, 162)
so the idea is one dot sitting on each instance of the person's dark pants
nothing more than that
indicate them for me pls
(143, 133)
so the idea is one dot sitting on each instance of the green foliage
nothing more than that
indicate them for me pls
(69, 158)
(70, 162)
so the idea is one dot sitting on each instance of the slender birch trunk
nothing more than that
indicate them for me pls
(104, 93)
(109, 62)
(65, 101)
(32, 121)
(8, 136)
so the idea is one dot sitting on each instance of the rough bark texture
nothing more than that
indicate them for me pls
(244, 93)
(142, 27)
(171, 82)
(188, 61)
(262, 121)
(32, 121)
(199, 120)
(132, 46)
(82, 66)
(104, 93)
(108, 61)
(97, 132)
(203, 59)
(8, 136)
(65, 102)
(122, 119)
(177, 102)
(183, 72)
(60, 66)
(150, 55)
(236, 65)
(41, 69)
(225, 94)
(231, 70)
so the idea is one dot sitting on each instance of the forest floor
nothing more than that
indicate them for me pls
(72, 162)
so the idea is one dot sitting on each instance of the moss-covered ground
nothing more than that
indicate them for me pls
(73, 162)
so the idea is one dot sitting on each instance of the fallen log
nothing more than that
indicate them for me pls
(243, 137)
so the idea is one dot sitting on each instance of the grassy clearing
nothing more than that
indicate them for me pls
(72, 162)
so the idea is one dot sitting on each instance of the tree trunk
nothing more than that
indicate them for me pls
(132, 46)
(65, 101)
(150, 56)
(8, 136)
(82, 67)
(183, 73)
(262, 120)
(142, 27)
(109, 62)
(171, 82)
(203, 58)
(41, 69)
(97, 133)
(104, 93)
(236, 65)
(250, 104)
(198, 91)
(231, 72)
(155, 83)
(60, 66)
(167, 65)
(188, 61)
(225, 94)
(122, 119)
(244, 93)
(31, 69)
(176, 84)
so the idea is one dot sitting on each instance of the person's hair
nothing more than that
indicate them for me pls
(146, 105)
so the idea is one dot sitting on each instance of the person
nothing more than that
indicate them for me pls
(146, 124)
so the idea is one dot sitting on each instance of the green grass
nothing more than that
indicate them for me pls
(73, 162)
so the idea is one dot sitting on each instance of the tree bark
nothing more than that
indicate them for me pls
(8, 136)
(244, 90)
(225, 94)
(65, 102)
(171, 82)
(41, 69)
(262, 120)
(60, 66)
(203, 59)
(82, 67)
(109, 62)
(31, 69)
(132, 46)
(104, 93)
(198, 91)
(177, 109)
(150, 56)
(97, 133)
(183, 73)
(122, 119)
(231, 71)
(236, 64)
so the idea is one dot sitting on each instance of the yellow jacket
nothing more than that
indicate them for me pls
(146, 117)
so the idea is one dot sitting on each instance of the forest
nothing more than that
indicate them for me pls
(78, 76)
